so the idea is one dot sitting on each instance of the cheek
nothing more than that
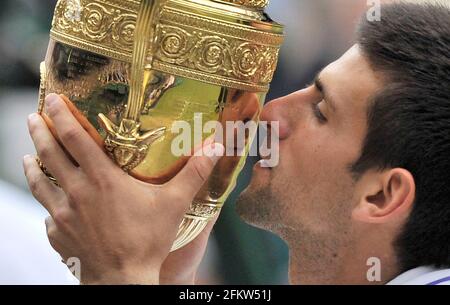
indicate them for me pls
(312, 182)
(312, 164)
(317, 151)
(306, 154)
(314, 192)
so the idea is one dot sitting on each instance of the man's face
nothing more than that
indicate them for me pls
(322, 129)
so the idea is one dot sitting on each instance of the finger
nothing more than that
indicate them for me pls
(49, 151)
(196, 172)
(84, 122)
(40, 186)
(75, 138)
(56, 239)
(52, 130)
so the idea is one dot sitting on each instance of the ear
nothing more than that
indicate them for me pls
(385, 196)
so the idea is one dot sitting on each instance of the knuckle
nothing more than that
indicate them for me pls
(103, 183)
(51, 232)
(53, 109)
(71, 134)
(73, 196)
(49, 222)
(106, 180)
(61, 218)
(75, 193)
(45, 153)
(35, 184)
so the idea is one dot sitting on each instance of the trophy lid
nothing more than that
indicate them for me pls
(230, 43)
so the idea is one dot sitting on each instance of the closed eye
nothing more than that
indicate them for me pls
(318, 114)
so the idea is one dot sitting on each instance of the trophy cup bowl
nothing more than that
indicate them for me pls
(129, 69)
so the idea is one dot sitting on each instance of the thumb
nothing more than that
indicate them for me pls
(198, 169)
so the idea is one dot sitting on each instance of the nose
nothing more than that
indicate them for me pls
(276, 111)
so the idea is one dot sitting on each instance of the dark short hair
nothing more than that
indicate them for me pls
(409, 120)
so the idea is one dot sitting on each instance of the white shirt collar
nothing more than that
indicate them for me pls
(423, 276)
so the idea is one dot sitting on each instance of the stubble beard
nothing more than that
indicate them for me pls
(260, 208)
(263, 208)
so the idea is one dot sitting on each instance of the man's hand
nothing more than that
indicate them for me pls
(120, 228)
(180, 267)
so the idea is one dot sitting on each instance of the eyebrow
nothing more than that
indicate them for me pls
(320, 86)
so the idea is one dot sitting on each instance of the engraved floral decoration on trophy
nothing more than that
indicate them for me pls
(175, 43)
(205, 210)
(188, 45)
(211, 55)
(248, 60)
(100, 23)
(216, 54)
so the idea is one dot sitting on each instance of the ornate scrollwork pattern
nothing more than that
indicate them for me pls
(212, 51)
(105, 26)
(235, 59)
(206, 210)
(188, 44)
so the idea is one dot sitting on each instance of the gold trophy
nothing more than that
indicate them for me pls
(129, 69)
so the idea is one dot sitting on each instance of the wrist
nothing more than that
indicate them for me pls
(124, 277)
(186, 279)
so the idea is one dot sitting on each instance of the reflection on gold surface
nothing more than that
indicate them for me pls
(240, 106)
(129, 69)
(98, 87)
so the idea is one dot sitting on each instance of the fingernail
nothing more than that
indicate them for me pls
(32, 117)
(27, 157)
(51, 99)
